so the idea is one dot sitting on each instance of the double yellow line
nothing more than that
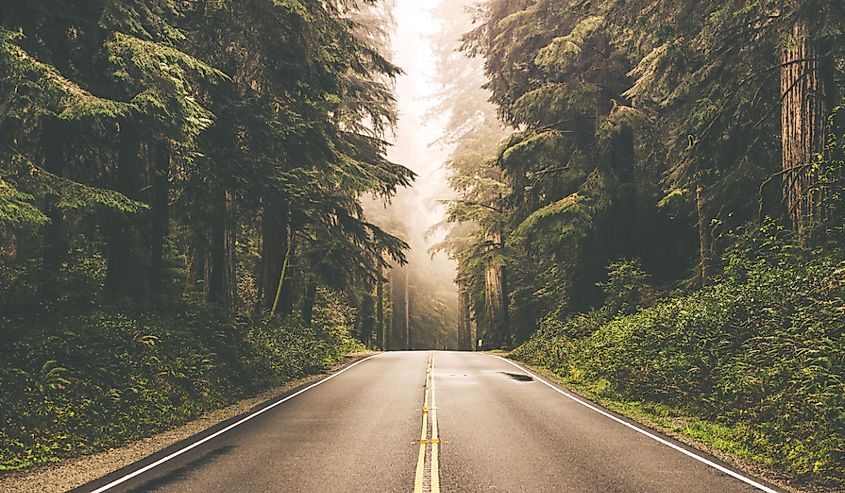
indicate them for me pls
(429, 412)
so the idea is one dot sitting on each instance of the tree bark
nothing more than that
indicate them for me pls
(121, 278)
(398, 327)
(802, 130)
(280, 280)
(160, 215)
(288, 298)
(55, 247)
(496, 297)
(368, 317)
(308, 301)
(273, 248)
(390, 319)
(407, 308)
(381, 328)
(465, 342)
(221, 277)
(704, 241)
(196, 265)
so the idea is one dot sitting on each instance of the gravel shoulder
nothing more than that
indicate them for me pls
(74, 472)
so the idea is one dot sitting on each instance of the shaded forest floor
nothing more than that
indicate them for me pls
(751, 365)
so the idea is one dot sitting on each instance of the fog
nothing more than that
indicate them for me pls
(412, 213)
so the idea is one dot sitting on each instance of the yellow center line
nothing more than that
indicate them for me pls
(418, 477)
(429, 411)
(435, 438)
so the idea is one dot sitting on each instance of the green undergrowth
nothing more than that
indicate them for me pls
(751, 364)
(77, 384)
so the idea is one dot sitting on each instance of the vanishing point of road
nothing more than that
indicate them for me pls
(429, 421)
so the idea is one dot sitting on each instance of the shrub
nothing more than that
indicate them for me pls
(77, 384)
(762, 351)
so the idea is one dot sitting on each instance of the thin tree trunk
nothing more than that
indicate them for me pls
(221, 277)
(196, 266)
(273, 248)
(160, 215)
(55, 248)
(464, 322)
(397, 308)
(368, 317)
(802, 130)
(217, 273)
(407, 309)
(286, 302)
(231, 251)
(283, 272)
(120, 273)
(381, 328)
(308, 301)
(390, 333)
(704, 241)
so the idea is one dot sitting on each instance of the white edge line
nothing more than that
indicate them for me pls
(224, 430)
(682, 450)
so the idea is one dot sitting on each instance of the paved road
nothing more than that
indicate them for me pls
(485, 424)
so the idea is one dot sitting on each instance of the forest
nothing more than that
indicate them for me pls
(650, 206)
(197, 203)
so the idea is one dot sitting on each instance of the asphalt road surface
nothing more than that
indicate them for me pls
(429, 421)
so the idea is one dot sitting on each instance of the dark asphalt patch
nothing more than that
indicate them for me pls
(520, 377)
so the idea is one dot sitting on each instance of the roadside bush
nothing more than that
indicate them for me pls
(83, 383)
(761, 351)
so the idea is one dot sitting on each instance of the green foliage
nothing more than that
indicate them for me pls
(155, 148)
(624, 287)
(71, 195)
(16, 207)
(759, 352)
(32, 87)
(79, 384)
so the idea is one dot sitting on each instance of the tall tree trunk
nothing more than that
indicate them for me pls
(281, 279)
(221, 277)
(627, 240)
(160, 215)
(121, 260)
(273, 248)
(407, 308)
(465, 342)
(397, 309)
(381, 328)
(704, 241)
(196, 265)
(496, 297)
(231, 250)
(368, 316)
(55, 248)
(802, 129)
(390, 318)
(308, 301)
(292, 278)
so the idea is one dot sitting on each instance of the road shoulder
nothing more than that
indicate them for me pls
(666, 427)
(77, 471)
